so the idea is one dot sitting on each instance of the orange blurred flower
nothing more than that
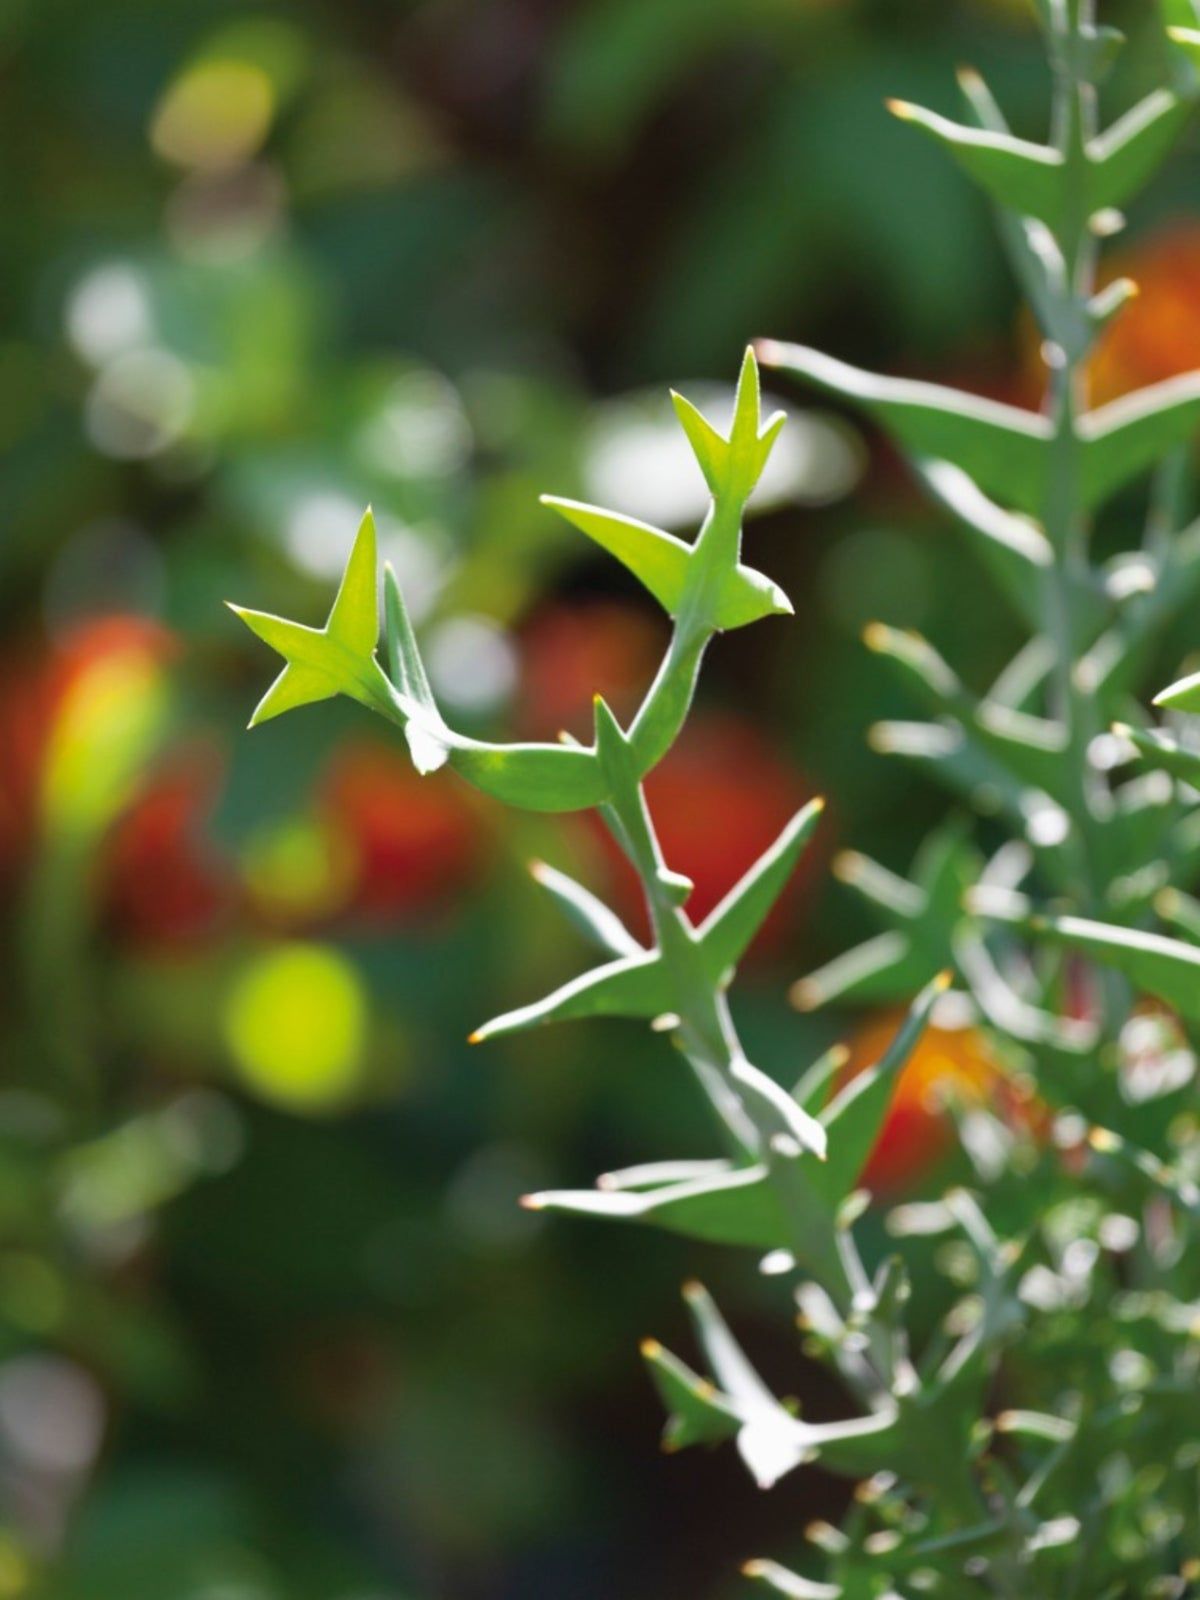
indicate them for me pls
(1157, 335)
(917, 1133)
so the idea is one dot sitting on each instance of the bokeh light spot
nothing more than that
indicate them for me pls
(296, 1023)
(109, 311)
(141, 403)
(215, 115)
(296, 867)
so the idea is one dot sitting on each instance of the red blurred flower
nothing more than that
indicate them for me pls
(163, 884)
(719, 799)
(571, 652)
(414, 842)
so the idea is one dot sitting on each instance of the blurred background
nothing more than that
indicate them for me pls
(272, 1326)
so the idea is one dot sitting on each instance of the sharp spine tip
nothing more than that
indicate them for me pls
(875, 636)
(803, 996)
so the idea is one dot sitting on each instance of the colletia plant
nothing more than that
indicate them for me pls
(1029, 1423)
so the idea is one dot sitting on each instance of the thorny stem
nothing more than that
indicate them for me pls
(1068, 343)
(708, 1038)
(706, 1034)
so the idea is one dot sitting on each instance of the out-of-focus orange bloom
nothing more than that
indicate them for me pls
(719, 799)
(917, 1133)
(571, 652)
(1157, 335)
(163, 884)
(413, 842)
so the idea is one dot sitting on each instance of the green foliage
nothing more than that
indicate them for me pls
(336, 659)
(1063, 1292)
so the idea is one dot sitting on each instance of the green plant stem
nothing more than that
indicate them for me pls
(707, 1036)
(1069, 338)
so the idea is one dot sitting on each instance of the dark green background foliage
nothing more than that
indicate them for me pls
(271, 1323)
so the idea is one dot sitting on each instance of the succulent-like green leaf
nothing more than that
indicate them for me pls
(1181, 912)
(658, 1174)
(735, 1205)
(1129, 435)
(771, 1441)
(403, 655)
(338, 658)
(812, 1088)
(1166, 1179)
(425, 734)
(1153, 963)
(772, 1103)
(1031, 178)
(855, 1116)
(920, 917)
(768, 1438)
(662, 562)
(709, 447)
(1160, 749)
(658, 559)
(585, 912)
(732, 466)
(534, 777)
(634, 986)
(1017, 552)
(1026, 177)
(728, 930)
(1184, 695)
(881, 968)
(696, 1412)
(1003, 448)
(789, 1584)
(1186, 41)
(1126, 154)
